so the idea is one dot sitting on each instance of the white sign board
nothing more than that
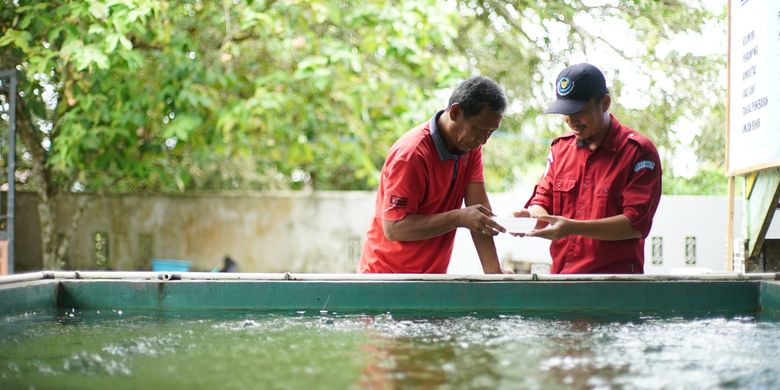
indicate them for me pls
(754, 86)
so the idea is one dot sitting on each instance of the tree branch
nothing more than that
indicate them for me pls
(499, 9)
(62, 246)
(30, 137)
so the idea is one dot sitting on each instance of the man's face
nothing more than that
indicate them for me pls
(589, 123)
(475, 130)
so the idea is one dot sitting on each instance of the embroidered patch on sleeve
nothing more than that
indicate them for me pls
(644, 164)
(398, 201)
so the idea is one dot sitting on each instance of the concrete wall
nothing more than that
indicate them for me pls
(319, 232)
(268, 232)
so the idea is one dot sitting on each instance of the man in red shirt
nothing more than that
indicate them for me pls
(602, 184)
(427, 175)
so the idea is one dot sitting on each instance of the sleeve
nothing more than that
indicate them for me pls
(542, 195)
(404, 183)
(475, 173)
(643, 192)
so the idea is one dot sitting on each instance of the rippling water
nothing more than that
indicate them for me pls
(238, 350)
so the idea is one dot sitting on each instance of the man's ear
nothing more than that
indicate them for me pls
(454, 111)
(606, 101)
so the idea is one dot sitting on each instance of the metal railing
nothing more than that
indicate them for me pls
(7, 234)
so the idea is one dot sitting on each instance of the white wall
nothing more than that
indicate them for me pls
(319, 232)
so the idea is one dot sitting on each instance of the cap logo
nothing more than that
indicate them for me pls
(565, 85)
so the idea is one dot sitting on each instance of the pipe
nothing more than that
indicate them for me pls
(148, 275)
(410, 277)
(122, 275)
(166, 276)
(660, 278)
(16, 278)
(232, 276)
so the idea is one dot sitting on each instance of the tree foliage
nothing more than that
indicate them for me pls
(656, 84)
(176, 96)
(160, 95)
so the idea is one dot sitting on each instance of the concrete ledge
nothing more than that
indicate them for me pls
(770, 297)
(428, 294)
(27, 296)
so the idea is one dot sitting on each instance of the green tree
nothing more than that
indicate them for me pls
(69, 109)
(176, 96)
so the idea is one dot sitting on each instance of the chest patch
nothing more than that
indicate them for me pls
(644, 164)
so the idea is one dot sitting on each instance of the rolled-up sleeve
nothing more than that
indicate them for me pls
(643, 192)
(542, 195)
(404, 183)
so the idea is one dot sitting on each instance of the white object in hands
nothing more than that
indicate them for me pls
(516, 224)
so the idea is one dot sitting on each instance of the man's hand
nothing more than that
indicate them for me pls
(524, 213)
(477, 219)
(557, 227)
(613, 228)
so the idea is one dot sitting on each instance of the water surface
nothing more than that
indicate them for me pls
(236, 350)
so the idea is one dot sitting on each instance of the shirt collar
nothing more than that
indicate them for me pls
(438, 141)
(611, 140)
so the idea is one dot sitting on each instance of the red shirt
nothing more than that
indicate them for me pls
(622, 176)
(420, 176)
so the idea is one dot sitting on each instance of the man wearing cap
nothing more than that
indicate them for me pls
(602, 184)
(427, 175)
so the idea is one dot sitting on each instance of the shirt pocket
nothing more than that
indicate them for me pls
(609, 201)
(564, 197)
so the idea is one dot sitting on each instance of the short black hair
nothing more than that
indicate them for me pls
(476, 92)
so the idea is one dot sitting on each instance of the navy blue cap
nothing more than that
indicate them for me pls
(574, 86)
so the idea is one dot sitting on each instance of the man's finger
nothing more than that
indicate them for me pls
(485, 210)
(546, 218)
(521, 213)
(493, 224)
(536, 233)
